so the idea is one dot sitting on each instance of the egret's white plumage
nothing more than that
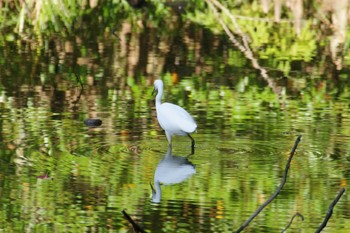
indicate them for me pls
(171, 169)
(173, 119)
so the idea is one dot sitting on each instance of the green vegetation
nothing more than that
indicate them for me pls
(278, 45)
(248, 122)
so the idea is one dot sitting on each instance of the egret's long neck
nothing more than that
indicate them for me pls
(156, 196)
(159, 96)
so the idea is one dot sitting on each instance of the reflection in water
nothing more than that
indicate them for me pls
(243, 129)
(171, 169)
(339, 23)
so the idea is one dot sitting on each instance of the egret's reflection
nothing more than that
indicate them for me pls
(171, 169)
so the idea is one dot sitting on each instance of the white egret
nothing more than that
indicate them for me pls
(171, 169)
(173, 119)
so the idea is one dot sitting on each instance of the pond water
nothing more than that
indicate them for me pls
(58, 174)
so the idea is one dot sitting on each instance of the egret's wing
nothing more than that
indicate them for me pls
(175, 118)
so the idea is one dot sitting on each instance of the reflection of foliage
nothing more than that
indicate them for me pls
(98, 172)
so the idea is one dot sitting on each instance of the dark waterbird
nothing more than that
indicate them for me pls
(91, 122)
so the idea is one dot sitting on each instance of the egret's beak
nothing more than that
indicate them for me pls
(154, 91)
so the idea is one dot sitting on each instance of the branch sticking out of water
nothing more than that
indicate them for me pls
(81, 89)
(291, 221)
(136, 227)
(330, 210)
(278, 190)
(79, 81)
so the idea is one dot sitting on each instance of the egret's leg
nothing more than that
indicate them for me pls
(193, 142)
(168, 136)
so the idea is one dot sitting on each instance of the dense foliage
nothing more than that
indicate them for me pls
(62, 62)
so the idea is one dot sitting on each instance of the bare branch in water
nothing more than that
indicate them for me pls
(278, 190)
(79, 81)
(330, 210)
(136, 227)
(81, 90)
(291, 221)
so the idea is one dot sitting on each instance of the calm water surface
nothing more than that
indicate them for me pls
(59, 175)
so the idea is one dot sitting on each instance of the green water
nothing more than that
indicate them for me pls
(59, 175)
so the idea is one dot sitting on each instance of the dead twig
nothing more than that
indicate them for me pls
(330, 211)
(291, 221)
(79, 81)
(278, 190)
(136, 227)
(81, 90)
